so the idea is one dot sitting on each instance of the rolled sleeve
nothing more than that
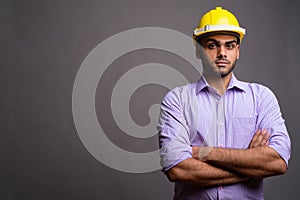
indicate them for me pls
(271, 119)
(173, 132)
(282, 145)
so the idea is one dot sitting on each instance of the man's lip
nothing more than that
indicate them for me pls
(221, 63)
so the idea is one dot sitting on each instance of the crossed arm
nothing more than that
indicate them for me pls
(222, 166)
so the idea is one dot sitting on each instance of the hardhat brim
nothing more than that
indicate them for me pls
(217, 29)
(200, 37)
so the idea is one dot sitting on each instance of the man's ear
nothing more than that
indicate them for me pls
(198, 50)
(238, 52)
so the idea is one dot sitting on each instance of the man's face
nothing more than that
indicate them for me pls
(223, 51)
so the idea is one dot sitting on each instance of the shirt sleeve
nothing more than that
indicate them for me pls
(173, 132)
(270, 117)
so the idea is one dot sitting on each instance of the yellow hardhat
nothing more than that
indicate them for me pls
(219, 20)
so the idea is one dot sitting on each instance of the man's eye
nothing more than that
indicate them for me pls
(212, 46)
(231, 46)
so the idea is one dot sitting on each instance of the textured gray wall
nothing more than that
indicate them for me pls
(43, 44)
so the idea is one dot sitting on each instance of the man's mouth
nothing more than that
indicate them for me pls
(221, 63)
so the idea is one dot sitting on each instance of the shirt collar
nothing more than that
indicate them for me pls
(201, 84)
(234, 83)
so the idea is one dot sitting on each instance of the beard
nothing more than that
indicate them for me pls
(226, 73)
(210, 69)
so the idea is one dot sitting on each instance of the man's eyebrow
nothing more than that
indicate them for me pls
(211, 40)
(232, 41)
(218, 42)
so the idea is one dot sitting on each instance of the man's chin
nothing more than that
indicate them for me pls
(224, 74)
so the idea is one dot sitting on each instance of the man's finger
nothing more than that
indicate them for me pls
(260, 138)
(253, 141)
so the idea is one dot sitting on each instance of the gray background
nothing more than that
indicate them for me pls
(43, 44)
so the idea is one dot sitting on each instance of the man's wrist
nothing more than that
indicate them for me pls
(200, 153)
(204, 153)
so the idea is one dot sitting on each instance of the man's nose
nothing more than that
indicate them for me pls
(221, 52)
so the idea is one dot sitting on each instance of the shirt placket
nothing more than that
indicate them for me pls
(220, 115)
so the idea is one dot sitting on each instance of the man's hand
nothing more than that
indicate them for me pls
(258, 161)
(260, 138)
(196, 150)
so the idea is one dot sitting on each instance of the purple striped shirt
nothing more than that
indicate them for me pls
(195, 115)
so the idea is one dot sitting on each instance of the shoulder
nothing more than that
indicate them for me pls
(256, 88)
(178, 93)
(261, 93)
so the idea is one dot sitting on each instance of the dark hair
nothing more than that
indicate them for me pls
(200, 37)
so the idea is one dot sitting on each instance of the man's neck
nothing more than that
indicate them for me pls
(226, 80)
(219, 83)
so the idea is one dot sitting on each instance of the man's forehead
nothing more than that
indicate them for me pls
(220, 38)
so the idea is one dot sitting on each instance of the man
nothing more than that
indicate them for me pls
(219, 137)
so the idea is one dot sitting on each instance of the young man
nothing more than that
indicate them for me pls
(219, 137)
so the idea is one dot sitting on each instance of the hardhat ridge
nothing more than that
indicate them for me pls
(218, 20)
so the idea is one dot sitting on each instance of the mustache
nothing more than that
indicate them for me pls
(222, 60)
